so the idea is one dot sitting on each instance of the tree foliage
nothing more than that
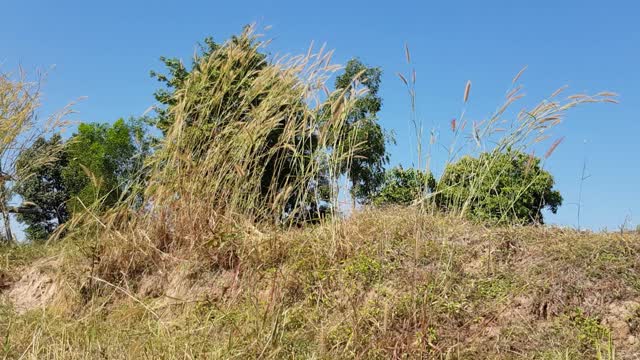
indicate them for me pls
(43, 188)
(176, 75)
(404, 186)
(363, 136)
(503, 187)
(102, 161)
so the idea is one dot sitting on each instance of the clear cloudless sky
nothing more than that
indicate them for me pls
(104, 50)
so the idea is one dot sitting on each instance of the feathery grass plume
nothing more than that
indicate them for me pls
(407, 54)
(553, 147)
(404, 80)
(467, 89)
(252, 143)
(517, 77)
(505, 130)
(19, 128)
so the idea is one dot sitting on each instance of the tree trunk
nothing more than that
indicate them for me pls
(8, 236)
(7, 223)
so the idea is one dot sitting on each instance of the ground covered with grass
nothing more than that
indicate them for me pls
(383, 284)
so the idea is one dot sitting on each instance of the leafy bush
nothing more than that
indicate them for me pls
(402, 187)
(503, 187)
(103, 160)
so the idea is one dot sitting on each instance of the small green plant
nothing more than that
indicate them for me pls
(590, 329)
(493, 288)
(364, 268)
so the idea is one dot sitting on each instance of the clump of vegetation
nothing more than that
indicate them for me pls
(404, 187)
(351, 291)
(508, 187)
(19, 130)
(100, 164)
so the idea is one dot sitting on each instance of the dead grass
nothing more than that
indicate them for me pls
(358, 291)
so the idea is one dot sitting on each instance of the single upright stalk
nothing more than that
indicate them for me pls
(8, 235)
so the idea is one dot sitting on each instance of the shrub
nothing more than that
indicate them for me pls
(500, 186)
(402, 187)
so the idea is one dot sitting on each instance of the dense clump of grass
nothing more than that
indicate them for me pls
(249, 138)
(355, 290)
(250, 143)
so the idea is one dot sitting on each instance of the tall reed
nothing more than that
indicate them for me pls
(252, 141)
(19, 128)
(503, 131)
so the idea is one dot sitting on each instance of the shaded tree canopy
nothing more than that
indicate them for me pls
(363, 136)
(42, 186)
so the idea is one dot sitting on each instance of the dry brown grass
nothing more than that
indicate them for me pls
(366, 289)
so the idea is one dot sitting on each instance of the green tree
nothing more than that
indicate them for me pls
(507, 187)
(41, 187)
(19, 128)
(243, 72)
(103, 161)
(403, 187)
(177, 74)
(363, 136)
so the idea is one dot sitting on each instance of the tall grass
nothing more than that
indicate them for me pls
(252, 144)
(19, 128)
(504, 130)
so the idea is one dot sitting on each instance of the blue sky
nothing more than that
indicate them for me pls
(105, 50)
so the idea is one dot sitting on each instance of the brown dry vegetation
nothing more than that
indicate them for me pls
(383, 284)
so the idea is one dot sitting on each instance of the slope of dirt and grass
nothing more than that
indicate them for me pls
(382, 284)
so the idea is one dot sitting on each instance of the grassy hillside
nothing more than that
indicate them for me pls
(226, 242)
(383, 284)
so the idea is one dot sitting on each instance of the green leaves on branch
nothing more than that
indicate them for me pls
(103, 159)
